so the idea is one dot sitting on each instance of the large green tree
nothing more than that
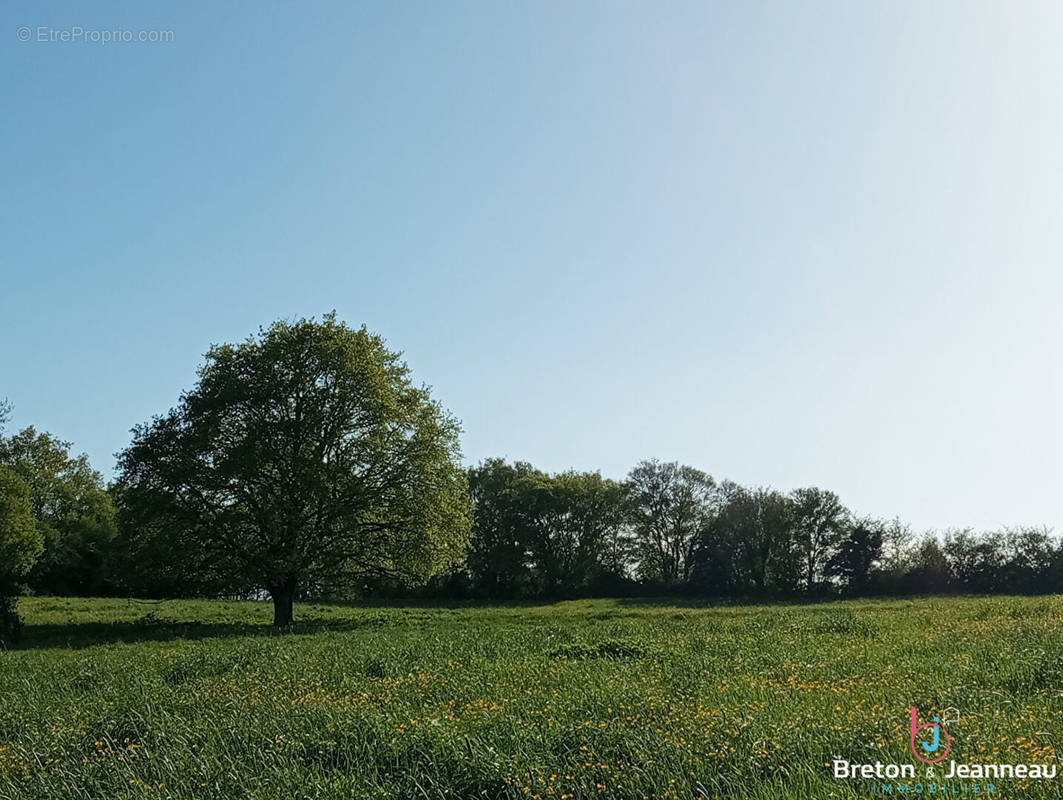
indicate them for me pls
(72, 509)
(858, 553)
(20, 544)
(304, 460)
(820, 524)
(746, 546)
(571, 525)
(498, 555)
(540, 533)
(669, 504)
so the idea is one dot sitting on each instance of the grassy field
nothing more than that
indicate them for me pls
(603, 699)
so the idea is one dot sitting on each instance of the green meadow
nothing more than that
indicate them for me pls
(586, 699)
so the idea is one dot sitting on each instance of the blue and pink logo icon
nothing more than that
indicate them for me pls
(924, 749)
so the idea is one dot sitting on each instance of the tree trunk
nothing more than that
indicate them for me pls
(283, 600)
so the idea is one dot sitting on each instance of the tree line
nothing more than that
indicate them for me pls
(672, 529)
(305, 463)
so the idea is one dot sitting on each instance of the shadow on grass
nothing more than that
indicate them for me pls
(78, 635)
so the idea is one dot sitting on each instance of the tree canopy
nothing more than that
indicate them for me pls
(543, 534)
(72, 510)
(303, 459)
(820, 524)
(20, 545)
(669, 505)
(305, 463)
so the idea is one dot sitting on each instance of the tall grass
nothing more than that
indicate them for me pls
(603, 699)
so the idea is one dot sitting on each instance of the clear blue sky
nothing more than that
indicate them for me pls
(789, 243)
